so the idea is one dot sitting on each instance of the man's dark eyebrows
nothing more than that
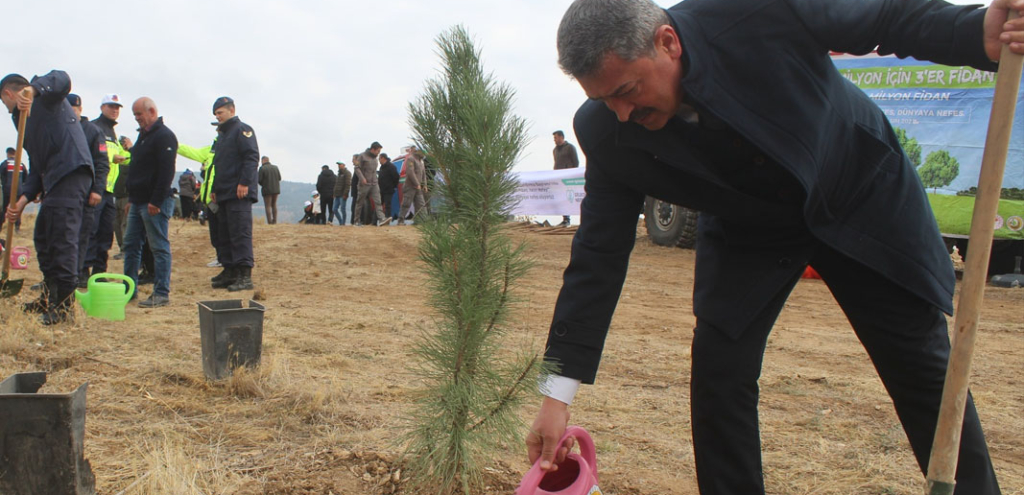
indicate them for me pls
(618, 92)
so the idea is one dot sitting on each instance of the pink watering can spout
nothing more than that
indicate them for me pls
(576, 476)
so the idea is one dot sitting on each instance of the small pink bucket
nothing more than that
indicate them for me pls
(19, 257)
(576, 476)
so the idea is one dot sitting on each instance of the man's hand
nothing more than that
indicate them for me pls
(999, 31)
(24, 101)
(363, 182)
(118, 159)
(547, 430)
(153, 210)
(213, 197)
(14, 214)
(94, 199)
(243, 191)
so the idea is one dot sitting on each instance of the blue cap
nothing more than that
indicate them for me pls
(74, 100)
(223, 100)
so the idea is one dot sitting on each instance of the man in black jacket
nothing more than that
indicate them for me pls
(796, 169)
(98, 148)
(236, 158)
(325, 186)
(60, 170)
(151, 203)
(387, 177)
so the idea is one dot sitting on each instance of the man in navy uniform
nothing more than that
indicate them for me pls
(98, 148)
(61, 172)
(796, 169)
(236, 158)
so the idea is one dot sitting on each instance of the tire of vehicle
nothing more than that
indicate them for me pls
(670, 225)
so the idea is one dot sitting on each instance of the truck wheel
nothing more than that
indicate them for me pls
(670, 225)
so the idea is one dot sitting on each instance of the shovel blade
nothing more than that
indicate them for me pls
(10, 288)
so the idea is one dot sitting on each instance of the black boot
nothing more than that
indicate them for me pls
(83, 278)
(229, 275)
(61, 308)
(243, 280)
(224, 273)
(41, 303)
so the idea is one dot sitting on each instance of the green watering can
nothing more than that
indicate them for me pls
(106, 299)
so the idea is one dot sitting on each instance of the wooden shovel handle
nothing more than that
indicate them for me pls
(946, 447)
(22, 119)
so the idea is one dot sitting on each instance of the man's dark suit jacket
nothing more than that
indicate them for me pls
(763, 68)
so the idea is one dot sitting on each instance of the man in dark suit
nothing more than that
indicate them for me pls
(794, 169)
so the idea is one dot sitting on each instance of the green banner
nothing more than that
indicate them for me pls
(919, 76)
(954, 215)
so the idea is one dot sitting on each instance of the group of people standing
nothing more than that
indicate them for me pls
(93, 185)
(372, 189)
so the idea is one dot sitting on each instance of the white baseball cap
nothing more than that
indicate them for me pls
(111, 99)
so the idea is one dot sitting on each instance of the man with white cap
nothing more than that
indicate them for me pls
(110, 215)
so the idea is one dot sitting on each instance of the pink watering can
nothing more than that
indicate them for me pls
(576, 476)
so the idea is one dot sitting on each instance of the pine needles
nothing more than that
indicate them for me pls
(472, 386)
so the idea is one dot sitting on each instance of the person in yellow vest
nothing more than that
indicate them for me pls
(204, 156)
(102, 236)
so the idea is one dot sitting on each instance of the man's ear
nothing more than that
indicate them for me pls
(666, 39)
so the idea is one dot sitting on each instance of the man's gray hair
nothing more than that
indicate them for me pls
(592, 28)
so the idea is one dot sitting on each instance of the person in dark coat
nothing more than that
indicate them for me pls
(61, 174)
(341, 188)
(794, 169)
(236, 157)
(101, 167)
(187, 188)
(325, 186)
(270, 188)
(7, 170)
(387, 178)
(151, 202)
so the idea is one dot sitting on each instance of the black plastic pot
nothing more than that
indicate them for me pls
(42, 439)
(231, 336)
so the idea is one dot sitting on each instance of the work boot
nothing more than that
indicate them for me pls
(243, 280)
(61, 305)
(40, 304)
(229, 275)
(225, 273)
(83, 278)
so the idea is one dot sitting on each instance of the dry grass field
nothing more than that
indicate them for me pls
(321, 413)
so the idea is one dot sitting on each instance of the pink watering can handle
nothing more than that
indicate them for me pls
(533, 477)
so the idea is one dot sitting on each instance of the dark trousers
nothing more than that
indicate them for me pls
(235, 232)
(906, 339)
(327, 208)
(187, 207)
(385, 201)
(213, 221)
(102, 237)
(85, 233)
(59, 226)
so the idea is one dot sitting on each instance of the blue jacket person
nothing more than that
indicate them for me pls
(61, 173)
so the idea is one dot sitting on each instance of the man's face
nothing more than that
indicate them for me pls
(375, 151)
(645, 91)
(144, 117)
(265, 161)
(223, 114)
(78, 111)
(382, 160)
(111, 112)
(559, 139)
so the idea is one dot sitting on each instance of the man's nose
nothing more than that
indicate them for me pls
(621, 108)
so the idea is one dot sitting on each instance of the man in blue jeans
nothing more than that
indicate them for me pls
(150, 201)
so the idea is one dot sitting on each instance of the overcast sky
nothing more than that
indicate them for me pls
(317, 80)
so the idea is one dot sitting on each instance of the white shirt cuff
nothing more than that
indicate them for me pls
(560, 388)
